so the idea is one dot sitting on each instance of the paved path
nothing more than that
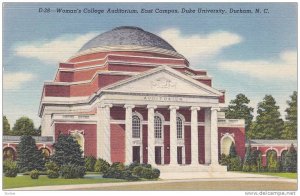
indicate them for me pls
(205, 181)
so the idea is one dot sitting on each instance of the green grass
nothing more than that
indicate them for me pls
(284, 175)
(26, 181)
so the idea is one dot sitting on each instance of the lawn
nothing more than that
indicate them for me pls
(284, 175)
(26, 181)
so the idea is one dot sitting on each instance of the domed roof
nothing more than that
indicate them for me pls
(127, 35)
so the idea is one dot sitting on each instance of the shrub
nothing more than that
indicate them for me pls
(52, 174)
(118, 166)
(138, 170)
(112, 173)
(146, 165)
(101, 166)
(34, 174)
(10, 168)
(90, 163)
(290, 162)
(133, 165)
(70, 171)
(7, 164)
(156, 173)
(52, 166)
(147, 173)
(272, 163)
(235, 164)
(224, 160)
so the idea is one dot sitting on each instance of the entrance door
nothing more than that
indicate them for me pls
(158, 155)
(136, 154)
(179, 154)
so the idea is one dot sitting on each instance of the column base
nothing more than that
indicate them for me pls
(217, 168)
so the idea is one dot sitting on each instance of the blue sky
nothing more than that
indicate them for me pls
(254, 54)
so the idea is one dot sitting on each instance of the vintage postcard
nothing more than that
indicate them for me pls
(150, 97)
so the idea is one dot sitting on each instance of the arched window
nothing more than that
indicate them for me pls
(179, 127)
(226, 142)
(45, 152)
(9, 154)
(79, 138)
(157, 127)
(136, 127)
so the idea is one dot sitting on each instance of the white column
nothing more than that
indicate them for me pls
(173, 135)
(128, 134)
(104, 132)
(207, 131)
(194, 135)
(151, 140)
(214, 136)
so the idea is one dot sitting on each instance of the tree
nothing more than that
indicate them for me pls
(232, 151)
(29, 157)
(239, 109)
(24, 126)
(247, 159)
(290, 128)
(290, 161)
(268, 123)
(6, 126)
(272, 162)
(67, 151)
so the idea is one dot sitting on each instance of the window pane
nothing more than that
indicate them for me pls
(179, 127)
(136, 127)
(157, 127)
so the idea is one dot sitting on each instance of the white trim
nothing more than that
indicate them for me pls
(226, 135)
(175, 73)
(284, 149)
(120, 55)
(135, 113)
(183, 125)
(270, 149)
(131, 48)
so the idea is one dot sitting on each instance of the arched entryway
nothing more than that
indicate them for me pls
(9, 154)
(226, 142)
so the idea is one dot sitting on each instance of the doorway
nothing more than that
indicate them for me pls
(136, 154)
(179, 154)
(158, 155)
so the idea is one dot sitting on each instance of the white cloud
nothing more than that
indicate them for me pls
(55, 50)
(200, 46)
(13, 81)
(283, 68)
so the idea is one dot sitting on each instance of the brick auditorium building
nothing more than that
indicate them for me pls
(128, 95)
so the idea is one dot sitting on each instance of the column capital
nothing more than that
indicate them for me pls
(195, 108)
(104, 105)
(215, 108)
(129, 106)
(173, 107)
(151, 106)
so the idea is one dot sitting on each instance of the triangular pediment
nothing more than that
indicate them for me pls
(163, 80)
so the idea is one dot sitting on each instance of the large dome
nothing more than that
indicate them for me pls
(127, 35)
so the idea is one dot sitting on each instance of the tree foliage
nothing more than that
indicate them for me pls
(239, 109)
(272, 162)
(232, 151)
(29, 157)
(269, 124)
(290, 128)
(247, 160)
(67, 151)
(6, 126)
(24, 126)
(290, 161)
